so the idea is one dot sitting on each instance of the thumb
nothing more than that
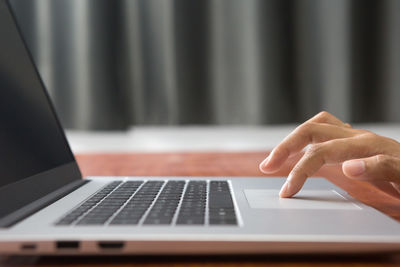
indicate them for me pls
(376, 168)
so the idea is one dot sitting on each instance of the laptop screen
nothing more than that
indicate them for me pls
(31, 139)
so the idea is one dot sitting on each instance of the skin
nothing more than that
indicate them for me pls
(334, 146)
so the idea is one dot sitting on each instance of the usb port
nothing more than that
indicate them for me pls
(67, 244)
(111, 244)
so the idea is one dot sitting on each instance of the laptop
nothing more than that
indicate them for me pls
(47, 208)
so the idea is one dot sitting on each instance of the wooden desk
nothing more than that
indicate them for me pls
(213, 164)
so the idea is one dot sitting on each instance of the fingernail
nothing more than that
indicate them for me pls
(284, 189)
(355, 167)
(265, 162)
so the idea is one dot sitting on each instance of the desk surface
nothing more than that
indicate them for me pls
(212, 164)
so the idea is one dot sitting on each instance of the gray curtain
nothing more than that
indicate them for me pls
(113, 63)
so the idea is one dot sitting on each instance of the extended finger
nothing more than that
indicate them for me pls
(307, 133)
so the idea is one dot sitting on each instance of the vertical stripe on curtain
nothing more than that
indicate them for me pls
(112, 64)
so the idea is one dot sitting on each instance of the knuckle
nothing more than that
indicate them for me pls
(314, 150)
(380, 143)
(383, 161)
(305, 128)
(324, 114)
(360, 132)
(371, 138)
(370, 135)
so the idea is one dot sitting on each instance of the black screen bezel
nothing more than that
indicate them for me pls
(23, 192)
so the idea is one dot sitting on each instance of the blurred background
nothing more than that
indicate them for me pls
(112, 64)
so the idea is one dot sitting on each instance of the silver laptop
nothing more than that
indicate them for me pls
(46, 207)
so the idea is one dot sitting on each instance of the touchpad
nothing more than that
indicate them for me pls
(305, 199)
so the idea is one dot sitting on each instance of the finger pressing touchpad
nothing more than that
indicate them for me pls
(305, 199)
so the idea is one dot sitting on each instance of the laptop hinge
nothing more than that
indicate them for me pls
(39, 204)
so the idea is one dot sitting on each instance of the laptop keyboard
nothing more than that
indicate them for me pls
(171, 202)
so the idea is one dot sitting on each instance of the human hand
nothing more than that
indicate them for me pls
(361, 154)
